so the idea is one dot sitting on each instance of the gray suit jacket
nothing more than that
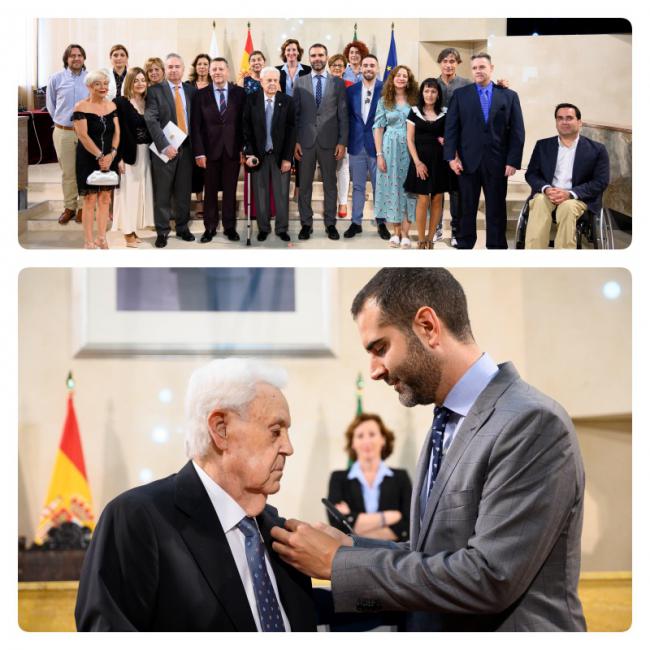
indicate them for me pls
(498, 547)
(327, 125)
(160, 109)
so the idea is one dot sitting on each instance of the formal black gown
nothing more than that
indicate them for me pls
(429, 151)
(100, 130)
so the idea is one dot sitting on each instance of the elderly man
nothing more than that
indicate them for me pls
(64, 90)
(567, 174)
(217, 143)
(484, 143)
(322, 123)
(269, 140)
(498, 500)
(170, 101)
(191, 552)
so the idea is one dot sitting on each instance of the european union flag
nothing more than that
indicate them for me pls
(391, 61)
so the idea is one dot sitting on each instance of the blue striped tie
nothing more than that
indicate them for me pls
(485, 103)
(267, 603)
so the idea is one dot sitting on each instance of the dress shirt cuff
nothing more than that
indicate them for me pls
(544, 188)
(573, 194)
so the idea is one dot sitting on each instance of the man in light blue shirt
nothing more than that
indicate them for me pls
(64, 89)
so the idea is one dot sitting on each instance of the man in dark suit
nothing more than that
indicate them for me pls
(217, 144)
(362, 99)
(568, 174)
(496, 513)
(171, 101)
(322, 136)
(191, 552)
(269, 139)
(484, 142)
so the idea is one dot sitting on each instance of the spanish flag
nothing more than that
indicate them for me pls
(68, 499)
(248, 48)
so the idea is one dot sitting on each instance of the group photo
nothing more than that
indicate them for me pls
(332, 134)
(451, 456)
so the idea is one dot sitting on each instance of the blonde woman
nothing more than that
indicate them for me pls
(97, 127)
(133, 203)
(154, 70)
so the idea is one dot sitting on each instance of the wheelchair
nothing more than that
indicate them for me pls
(595, 229)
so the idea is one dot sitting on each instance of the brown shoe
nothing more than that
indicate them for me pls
(66, 215)
(78, 216)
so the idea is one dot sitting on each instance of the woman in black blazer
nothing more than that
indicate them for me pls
(374, 499)
(133, 201)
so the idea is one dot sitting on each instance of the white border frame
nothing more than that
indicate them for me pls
(99, 329)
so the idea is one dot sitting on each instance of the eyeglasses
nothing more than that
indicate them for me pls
(337, 65)
(368, 96)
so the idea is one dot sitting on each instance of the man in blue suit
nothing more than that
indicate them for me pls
(484, 142)
(568, 174)
(362, 100)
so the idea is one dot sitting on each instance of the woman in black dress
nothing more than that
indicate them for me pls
(428, 175)
(97, 127)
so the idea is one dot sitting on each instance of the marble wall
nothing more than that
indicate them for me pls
(618, 142)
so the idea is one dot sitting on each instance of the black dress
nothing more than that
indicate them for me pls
(100, 130)
(429, 151)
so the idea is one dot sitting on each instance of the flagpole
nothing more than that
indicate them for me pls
(359, 384)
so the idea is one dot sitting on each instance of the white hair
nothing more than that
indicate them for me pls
(95, 75)
(173, 55)
(269, 68)
(223, 384)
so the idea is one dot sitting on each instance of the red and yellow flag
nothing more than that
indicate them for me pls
(248, 48)
(68, 498)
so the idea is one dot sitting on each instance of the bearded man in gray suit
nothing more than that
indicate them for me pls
(322, 136)
(496, 513)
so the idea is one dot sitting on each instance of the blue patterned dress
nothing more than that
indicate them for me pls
(391, 200)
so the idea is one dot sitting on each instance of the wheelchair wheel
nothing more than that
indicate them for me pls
(603, 232)
(522, 221)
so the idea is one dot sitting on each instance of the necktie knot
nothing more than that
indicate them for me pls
(248, 527)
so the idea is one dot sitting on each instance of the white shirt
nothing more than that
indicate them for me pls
(230, 513)
(564, 166)
(365, 106)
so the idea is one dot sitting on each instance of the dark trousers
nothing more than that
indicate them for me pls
(327, 164)
(221, 174)
(172, 180)
(269, 175)
(490, 178)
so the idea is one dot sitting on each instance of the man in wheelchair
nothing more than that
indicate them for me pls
(567, 174)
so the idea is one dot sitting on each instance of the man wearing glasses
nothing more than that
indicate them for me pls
(362, 103)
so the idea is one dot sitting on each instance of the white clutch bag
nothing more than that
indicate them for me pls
(103, 178)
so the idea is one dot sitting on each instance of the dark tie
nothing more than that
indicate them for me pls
(485, 104)
(267, 603)
(269, 119)
(319, 89)
(440, 417)
(222, 99)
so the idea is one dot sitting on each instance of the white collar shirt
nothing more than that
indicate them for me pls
(230, 513)
(566, 156)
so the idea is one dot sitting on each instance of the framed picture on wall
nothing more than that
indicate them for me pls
(188, 311)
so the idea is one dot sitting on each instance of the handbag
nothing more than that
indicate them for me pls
(103, 178)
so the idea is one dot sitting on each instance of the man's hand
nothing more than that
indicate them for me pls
(510, 170)
(556, 195)
(297, 153)
(456, 166)
(171, 152)
(285, 166)
(307, 548)
(339, 152)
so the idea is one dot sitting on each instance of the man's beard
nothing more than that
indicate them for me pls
(419, 375)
